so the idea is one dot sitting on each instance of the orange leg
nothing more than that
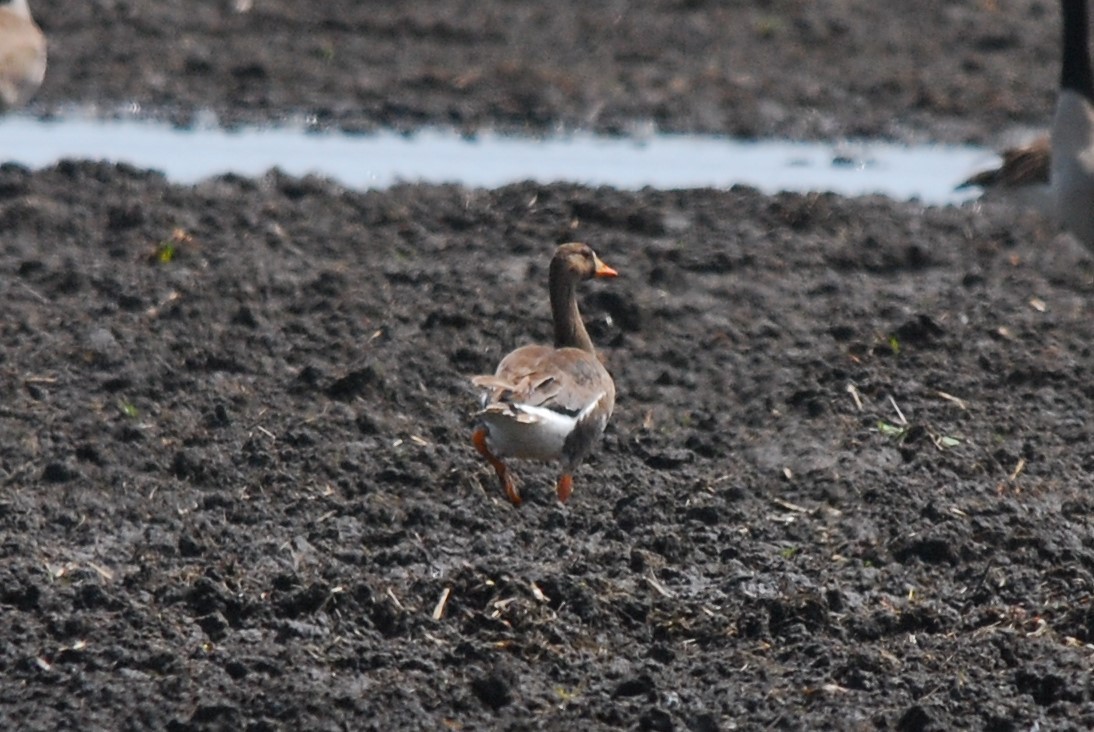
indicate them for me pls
(565, 487)
(507, 485)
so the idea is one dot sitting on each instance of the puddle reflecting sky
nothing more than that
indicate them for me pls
(927, 172)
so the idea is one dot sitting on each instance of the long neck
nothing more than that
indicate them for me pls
(569, 330)
(1075, 74)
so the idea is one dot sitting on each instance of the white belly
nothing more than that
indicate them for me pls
(527, 433)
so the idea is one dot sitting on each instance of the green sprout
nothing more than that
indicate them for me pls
(166, 251)
(895, 431)
(945, 441)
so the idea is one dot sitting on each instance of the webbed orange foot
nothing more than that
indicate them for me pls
(565, 487)
(510, 489)
(507, 484)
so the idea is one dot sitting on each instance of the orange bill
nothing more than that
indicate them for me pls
(603, 270)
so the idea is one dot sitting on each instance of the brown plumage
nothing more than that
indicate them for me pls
(549, 403)
(1022, 166)
(22, 55)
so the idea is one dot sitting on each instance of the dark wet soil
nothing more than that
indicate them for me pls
(941, 70)
(846, 486)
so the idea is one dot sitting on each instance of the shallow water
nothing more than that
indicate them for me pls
(928, 173)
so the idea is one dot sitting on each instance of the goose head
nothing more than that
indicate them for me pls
(574, 262)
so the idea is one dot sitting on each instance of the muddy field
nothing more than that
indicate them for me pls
(845, 486)
(933, 70)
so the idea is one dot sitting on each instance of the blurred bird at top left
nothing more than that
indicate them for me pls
(22, 55)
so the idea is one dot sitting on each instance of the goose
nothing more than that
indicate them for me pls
(1025, 168)
(1022, 179)
(1055, 172)
(22, 55)
(549, 403)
